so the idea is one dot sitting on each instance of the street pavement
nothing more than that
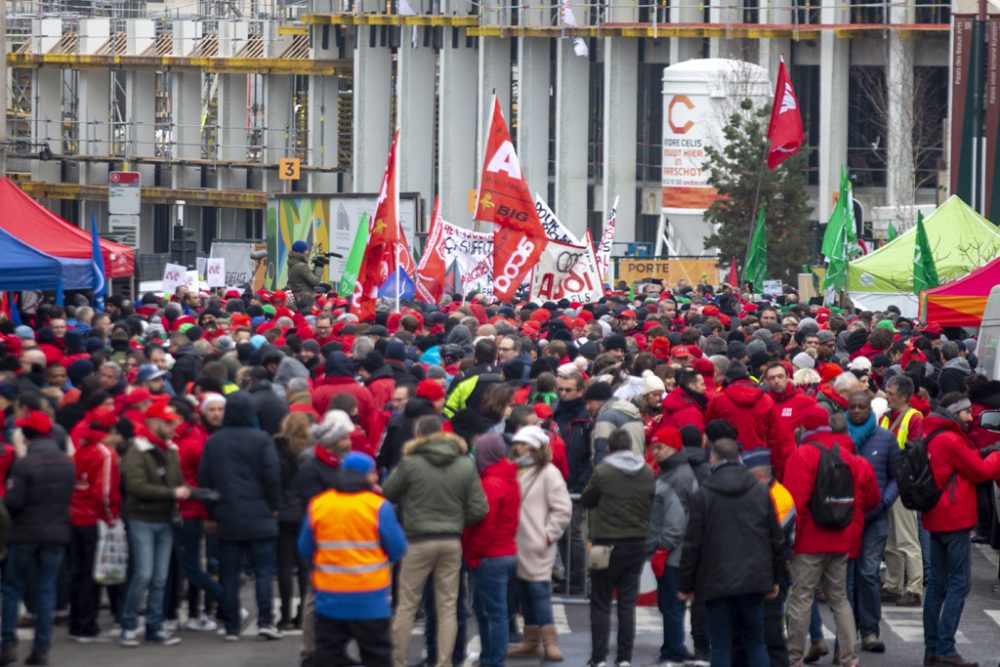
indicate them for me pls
(902, 631)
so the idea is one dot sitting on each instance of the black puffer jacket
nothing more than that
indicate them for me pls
(731, 513)
(574, 422)
(288, 512)
(186, 368)
(400, 430)
(241, 463)
(267, 406)
(39, 489)
(313, 478)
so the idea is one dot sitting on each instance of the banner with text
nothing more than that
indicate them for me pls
(566, 272)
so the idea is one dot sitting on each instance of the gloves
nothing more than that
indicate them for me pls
(986, 451)
(659, 561)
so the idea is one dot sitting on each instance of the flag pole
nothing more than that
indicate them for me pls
(756, 200)
(399, 223)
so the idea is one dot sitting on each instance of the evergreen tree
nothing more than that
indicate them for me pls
(734, 173)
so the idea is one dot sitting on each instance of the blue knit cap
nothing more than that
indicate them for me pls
(300, 246)
(358, 462)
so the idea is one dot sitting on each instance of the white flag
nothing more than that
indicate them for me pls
(554, 229)
(566, 272)
(607, 239)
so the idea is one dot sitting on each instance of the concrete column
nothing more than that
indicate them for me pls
(186, 107)
(94, 112)
(232, 108)
(278, 119)
(46, 87)
(494, 75)
(415, 109)
(833, 88)
(323, 135)
(770, 50)
(572, 98)
(457, 141)
(621, 64)
(900, 183)
(140, 96)
(685, 48)
(720, 47)
(533, 111)
(372, 91)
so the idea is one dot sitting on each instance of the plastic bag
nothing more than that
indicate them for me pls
(111, 555)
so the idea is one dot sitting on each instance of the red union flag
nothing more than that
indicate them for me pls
(506, 201)
(785, 130)
(384, 235)
(432, 269)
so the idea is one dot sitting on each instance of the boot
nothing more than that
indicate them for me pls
(531, 646)
(551, 642)
(8, 654)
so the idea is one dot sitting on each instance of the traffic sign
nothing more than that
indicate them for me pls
(288, 168)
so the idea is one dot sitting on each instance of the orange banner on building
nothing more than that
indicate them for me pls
(694, 198)
(670, 271)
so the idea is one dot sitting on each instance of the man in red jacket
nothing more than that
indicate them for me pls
(750, 410)
(687, 402)
(339, 379)
(957, 468)
(821, 553)
(96, 497)
(790, 403)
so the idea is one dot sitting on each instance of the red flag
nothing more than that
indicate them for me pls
(785, 130)
(385, 238)
(432, 269)
(734, 278)
(506, 201)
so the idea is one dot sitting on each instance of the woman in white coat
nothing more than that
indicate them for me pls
(545, 513)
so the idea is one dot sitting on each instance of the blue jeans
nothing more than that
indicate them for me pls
(188, 539)
(815, 623)
(867, 585)
(47, 559)
(263, 556)
(673, 648)
(925, 546)
(150, 544)
(430, 621)
(536, 601)
(490, 603)
(737, 616)
(947, 588)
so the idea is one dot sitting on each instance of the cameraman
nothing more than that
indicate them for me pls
(302, 279)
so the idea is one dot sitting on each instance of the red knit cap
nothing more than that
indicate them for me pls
(430, 390)
(669, 436)
(815, 417)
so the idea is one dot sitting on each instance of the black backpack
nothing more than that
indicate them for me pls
(917, 489)
(832, 499)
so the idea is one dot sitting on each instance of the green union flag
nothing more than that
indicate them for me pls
(837, 239)
(756, 269)
(353, 266)
(892, 231)
(924, 272)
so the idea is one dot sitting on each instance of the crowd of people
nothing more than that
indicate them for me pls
(751, 450)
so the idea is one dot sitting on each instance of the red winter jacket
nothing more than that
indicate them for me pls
(749, 409)
(800, 479)
(495, 536)
(344, 385)
(97, 494)
(558, 448)
(7, 456)
(787, 414)
(681, 409)
(190, 440)
(957, 469)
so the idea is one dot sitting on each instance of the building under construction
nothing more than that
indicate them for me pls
(203, 98)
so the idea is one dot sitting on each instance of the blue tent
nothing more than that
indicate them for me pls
(24, 268)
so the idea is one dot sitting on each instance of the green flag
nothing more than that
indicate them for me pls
(837, 239)
(353, 267)
(892, 232)
(924, 273)
(756, 269)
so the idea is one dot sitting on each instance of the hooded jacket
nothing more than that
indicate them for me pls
(381, 384)
(340, 380)
(750, 410)
(614, 415)
(241, 463)
(266, 408)
(787, 412)
(620, 495)
(400, 430)
(39, 490)
(731, 513)
(667, 520)
(953, 375)
(97, 495)
(467, 390)
(681, 409)
(302, 279)
(186, 368)
(878, 446)
(149, 495)
(957, 468)
(495, 536)
(438, 487)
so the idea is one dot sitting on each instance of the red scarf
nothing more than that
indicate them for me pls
(146, 433)
(327, 457)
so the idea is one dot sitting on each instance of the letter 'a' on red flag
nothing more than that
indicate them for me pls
(384, 235)
(432, 269)
(785, 130)
(505, 200)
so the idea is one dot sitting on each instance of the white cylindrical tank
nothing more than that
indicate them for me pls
(698, 98)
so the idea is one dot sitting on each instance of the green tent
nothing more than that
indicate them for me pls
(960, 240)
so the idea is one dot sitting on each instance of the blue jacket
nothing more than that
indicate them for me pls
(881, 450)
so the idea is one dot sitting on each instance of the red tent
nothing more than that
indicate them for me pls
(40, 228)
(961, 302)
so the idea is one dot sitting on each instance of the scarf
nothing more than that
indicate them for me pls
(700, 399)
(161, 444)
(861, 432)
(526, 460)
(790, 390)
(327, 457)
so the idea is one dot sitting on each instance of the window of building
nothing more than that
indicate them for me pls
(867, 120)
(805, 80)
(930, 108)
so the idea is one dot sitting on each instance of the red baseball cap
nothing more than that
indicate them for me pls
(543, 410)
(162, 411)
(138, 395)
(628, 313)
(37, 421)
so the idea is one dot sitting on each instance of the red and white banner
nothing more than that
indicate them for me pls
(566, 272)
(385, 237)
(785, 129)
(603, 251)
(433, 267)
(505, 200)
